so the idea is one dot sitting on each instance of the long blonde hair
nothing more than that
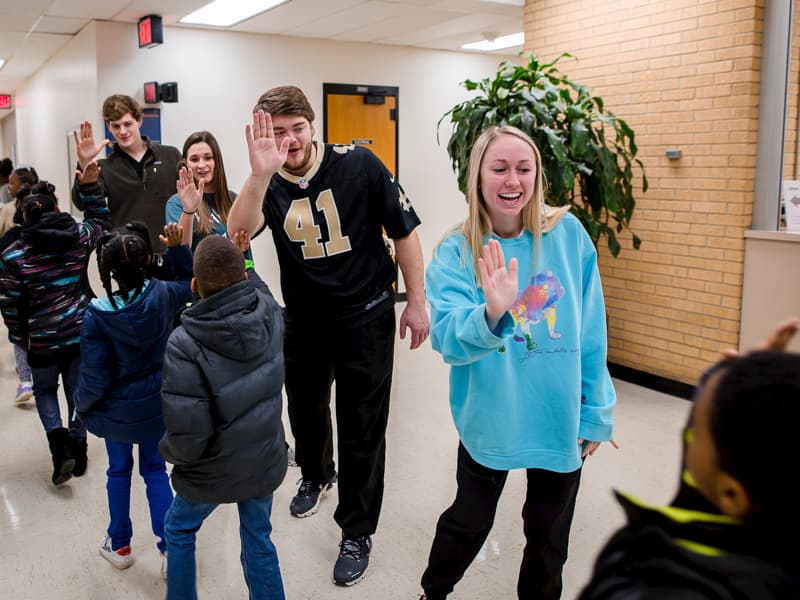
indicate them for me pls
(537, 217)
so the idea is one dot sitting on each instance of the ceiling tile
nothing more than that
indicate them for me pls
(67, 25)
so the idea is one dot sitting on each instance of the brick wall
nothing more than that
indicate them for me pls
(684, 74)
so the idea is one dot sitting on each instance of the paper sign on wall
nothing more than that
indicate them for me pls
(791, 203)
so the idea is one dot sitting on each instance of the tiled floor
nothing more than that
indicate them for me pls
(49, 537)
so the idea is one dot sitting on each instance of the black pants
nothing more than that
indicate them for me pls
(462, 529)
(360, 360)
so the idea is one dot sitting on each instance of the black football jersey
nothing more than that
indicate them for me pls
(328, 230)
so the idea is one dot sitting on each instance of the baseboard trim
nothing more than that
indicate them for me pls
(653, 382)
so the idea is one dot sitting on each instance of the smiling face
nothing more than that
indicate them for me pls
(126, 132)
(301, 148)
(508, 176)
(200, 159)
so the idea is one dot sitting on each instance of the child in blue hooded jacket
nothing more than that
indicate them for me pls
(517, 311)
(118, 396)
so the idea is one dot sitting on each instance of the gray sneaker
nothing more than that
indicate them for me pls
(309, 494)
(353, 560)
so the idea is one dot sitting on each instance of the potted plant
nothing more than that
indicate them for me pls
(587, 152)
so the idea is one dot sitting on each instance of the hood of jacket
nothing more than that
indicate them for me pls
(54, 232)
(233, 322)
(131, 324)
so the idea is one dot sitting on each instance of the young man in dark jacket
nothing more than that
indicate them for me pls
(221, 390)
(138, 177)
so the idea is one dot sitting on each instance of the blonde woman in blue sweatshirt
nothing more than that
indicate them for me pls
(517, 311)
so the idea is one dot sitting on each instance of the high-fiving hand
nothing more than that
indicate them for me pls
(189, 192)
(499, 283)
(266, 157)
(85, 145)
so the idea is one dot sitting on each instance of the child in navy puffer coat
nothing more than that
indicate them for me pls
(118, 396)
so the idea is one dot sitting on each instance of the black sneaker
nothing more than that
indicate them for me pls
(310, 492)
(353, 560)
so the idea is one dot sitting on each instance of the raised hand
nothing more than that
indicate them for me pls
(89, 174)
(499, 283)
(241, 239)
(173, 235)
(778, 339)
(85, 145)
(189, 192)
(266, 157)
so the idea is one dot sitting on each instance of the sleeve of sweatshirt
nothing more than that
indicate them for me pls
(96, 374)
(186, 406)
(96, 217)
(459, 330)
(598, 396)
(13, 300)
(180, 257)
(173, 210)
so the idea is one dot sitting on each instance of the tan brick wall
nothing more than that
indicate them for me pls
(684, 74)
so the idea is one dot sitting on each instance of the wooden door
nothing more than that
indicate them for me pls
(364, 116)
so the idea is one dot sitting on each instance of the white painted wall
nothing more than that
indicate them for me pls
(51, 104)
(221, 74)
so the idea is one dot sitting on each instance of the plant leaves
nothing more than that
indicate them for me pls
(581, 167)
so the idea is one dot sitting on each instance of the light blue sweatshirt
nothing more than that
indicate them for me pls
(523, 394)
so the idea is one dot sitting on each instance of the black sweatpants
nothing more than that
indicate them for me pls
(360, 359)
(463, 528)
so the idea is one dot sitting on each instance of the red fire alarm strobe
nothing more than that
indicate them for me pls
(5, 101)
(151, 31)
(152, 92)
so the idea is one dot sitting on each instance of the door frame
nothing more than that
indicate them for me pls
(364, 90)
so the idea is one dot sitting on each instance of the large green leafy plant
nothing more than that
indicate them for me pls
(587, 152)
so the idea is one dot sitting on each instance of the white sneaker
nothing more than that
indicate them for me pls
(121, 558)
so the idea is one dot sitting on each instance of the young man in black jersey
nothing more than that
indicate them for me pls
(327, 207)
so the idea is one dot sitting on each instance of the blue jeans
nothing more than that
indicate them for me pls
(45, 390)
(159, 494)
(259, 557)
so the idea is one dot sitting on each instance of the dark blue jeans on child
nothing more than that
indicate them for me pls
(45, 389)
(259, 557)
(159, 494)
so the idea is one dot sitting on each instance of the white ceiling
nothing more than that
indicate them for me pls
(32, 32)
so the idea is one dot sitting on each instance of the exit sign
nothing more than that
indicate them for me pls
(151, 31)
(5, 101)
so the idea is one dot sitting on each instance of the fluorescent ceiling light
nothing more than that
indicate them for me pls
(504, 41)
(224, 13)
(2, 62)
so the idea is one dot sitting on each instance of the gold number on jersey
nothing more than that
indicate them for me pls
(300, 227)
(338, 243)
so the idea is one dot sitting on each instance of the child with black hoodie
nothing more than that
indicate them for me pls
(44, 292)
(221, 388)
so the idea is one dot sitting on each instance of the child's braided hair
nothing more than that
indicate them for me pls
(124, 255)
